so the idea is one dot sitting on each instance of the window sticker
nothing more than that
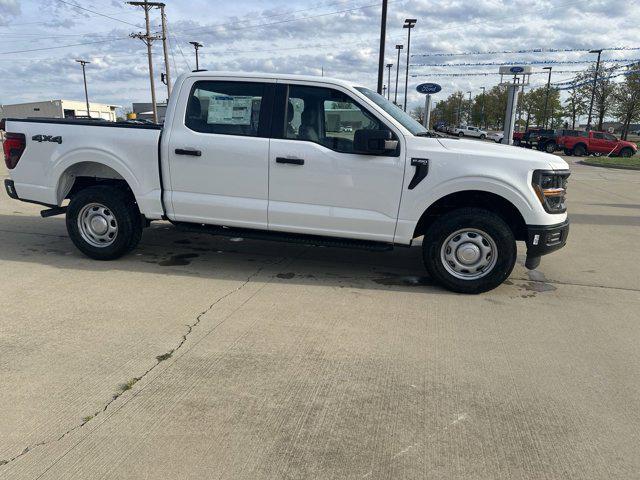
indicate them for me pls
(224, 109)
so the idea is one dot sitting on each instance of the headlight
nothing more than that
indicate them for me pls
(551, 188)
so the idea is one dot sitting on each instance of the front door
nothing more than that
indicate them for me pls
(219, 154)
(317, 184)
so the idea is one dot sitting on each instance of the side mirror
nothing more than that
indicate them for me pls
(374, 142)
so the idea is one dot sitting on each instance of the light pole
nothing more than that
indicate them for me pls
(86, 92)
(459, 107)
(409, 24)
(389, 65)
(469, 118)
(482, 122)
(383, 35)
(197, 46)
(546, 99)
(395, 98)
(593, 91)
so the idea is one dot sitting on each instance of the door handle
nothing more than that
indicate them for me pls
(188, 151)
(291, 161)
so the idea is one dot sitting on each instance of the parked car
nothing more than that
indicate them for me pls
(233, 159)
(540, 138)
(496, 137)
(469, 131)
(580, 143)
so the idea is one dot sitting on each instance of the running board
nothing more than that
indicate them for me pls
(314, 240)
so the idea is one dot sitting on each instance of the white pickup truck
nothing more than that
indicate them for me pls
(294, 158)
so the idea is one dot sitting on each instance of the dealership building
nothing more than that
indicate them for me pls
(58, 109)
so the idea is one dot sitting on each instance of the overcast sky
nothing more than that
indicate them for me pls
(305, 36)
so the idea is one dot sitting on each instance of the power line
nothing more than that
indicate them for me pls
(62, 46)
(477, 74)
(98, 13)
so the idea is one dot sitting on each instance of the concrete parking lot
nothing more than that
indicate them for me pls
(206, 357)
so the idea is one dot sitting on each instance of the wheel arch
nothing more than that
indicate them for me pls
(477, 199)
(74, 175)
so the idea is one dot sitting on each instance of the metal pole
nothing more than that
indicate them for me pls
(410, 23)
(482, 123)
(427, 111)
(546, 99)
(389, 65)
(197, 46)
(470, 119)
(166, 51)
(459, 108)
(86, 92)
(395, 98)
(593, 91)
(383, 35)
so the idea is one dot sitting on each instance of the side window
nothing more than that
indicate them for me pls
(610, 137)
(598, 135)
(226, 108)
(327, 117)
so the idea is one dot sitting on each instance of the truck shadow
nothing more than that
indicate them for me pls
(166, 250)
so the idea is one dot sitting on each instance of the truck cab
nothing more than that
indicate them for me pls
(294, 158)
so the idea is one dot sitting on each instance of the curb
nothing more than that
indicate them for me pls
(613, 166)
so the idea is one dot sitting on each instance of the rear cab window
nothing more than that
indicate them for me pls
(226, 108)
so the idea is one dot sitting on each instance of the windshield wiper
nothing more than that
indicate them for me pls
(429, 134)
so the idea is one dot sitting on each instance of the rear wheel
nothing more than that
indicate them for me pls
(104, 222)
(579, 150)
(461, 134)
(483, 136)
(626, 152)
(550, 147)
(469, 250)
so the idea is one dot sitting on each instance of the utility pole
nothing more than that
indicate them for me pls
(198, 46)
(593, 91)
(86, 92)
(398, 47)
(383, 36)
(409, 24)
(148, 40)
(384, 90)
(165, 48)
(389, 65)
(470, 108)
(546, 98)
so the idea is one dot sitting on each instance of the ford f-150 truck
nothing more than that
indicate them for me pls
(270, 156)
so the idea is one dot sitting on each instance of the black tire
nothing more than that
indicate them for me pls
(626, 152)
(476, 219)
(121, 207)
(461, 134)
(483, 137)
(550, 147)
(516, 143)
(568, 152)
(579, 150)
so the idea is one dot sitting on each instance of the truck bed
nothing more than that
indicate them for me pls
(47, 169)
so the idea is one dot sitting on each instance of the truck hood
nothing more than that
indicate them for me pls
(479, 149)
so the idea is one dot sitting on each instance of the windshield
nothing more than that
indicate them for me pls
(392, 109)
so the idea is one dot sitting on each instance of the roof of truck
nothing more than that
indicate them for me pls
(274, 76)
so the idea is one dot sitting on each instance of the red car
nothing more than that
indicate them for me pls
(579, 143)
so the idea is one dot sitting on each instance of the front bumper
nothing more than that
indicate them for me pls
(544, 239)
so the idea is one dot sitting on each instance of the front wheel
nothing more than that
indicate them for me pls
(104, 222)
(461, 134)
(469, 250)
(483, 137)
(550, 147)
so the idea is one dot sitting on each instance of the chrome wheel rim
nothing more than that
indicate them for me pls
(469, 254)
(97, 224)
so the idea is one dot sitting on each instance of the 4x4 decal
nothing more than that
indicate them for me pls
(46, 138)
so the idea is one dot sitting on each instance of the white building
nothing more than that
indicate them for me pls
(58, 109)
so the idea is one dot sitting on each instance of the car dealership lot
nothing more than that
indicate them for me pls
(206, 357)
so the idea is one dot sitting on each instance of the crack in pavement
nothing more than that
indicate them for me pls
(126, 387)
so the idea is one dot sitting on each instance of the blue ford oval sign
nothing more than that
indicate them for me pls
(428, 88)
(516, 69)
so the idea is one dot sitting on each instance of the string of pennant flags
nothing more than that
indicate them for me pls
(533, 50)
(535, 62)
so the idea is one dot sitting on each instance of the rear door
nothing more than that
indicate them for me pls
(317, 184)
(219, 153)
